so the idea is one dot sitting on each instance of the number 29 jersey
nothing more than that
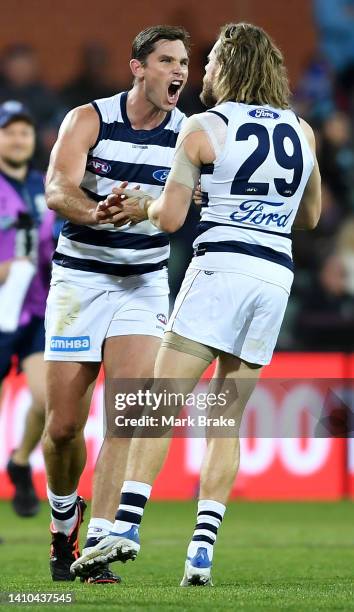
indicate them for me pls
(252, 191)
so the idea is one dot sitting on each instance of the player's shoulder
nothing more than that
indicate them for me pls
(209, 118)
(108, 102)
(309, 133)
(79, 115)
(221, 111)
(109, 109)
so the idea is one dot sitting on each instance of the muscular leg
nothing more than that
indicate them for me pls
(68, 402)
(124, 357)
(33, 367)
(222, 457)
(218, 472)
(169, 364)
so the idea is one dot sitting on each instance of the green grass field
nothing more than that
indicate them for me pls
(269, 556)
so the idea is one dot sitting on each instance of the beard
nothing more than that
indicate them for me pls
(16, 163)
(207, 95)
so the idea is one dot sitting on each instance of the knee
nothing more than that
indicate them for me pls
(61, 433)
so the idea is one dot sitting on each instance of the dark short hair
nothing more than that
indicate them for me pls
(144, 42)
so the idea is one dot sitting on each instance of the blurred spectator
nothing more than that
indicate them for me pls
(92, 81)
(336, 158)
(326, 317)
(26, 246)
(345, 245)
(335, 22)
(313, 99)
(307, 246)
(21, 81)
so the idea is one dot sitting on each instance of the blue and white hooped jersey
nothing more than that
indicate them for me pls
(252, 192)
(121, 153)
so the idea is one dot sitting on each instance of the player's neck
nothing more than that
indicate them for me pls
(142, 114)
(18, 174)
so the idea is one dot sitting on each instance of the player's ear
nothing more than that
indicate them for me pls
(137, 68)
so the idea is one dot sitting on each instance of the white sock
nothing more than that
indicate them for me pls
(98, 528)
(64, 511)
(134, 496)
(209, 517)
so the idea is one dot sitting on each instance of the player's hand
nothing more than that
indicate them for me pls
(133, 210)
(106, 211)
(197, 195)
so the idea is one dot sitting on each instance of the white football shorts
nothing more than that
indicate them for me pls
(79, 318)
(232, 312)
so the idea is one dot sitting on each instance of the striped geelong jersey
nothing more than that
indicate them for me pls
(252, 191)
(121, 153)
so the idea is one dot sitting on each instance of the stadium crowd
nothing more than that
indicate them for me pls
(320, 314)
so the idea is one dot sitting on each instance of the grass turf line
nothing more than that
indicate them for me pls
(268, 557)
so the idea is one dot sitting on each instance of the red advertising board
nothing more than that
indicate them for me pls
(350, 445)
(290, 467)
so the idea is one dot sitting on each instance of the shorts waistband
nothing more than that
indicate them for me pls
(253, 250)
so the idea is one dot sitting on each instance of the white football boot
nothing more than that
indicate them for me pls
(197, 570)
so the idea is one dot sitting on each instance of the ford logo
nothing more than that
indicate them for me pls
(161, 175)
(263, 113)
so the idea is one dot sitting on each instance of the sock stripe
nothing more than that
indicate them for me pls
(203, 538)
(135, 509)
(133, 499)
(207, 526)
(210, 513)
(63, 516)
(203, 532)
(209, 518)
(128, 517)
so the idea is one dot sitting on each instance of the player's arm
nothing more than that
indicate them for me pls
(77, 134)
(310, 206)
(193, 149)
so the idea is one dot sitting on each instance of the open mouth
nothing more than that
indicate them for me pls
(173, 91)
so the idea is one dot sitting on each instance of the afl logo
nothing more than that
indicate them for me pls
(161, 175)
(162, 318)
(99, 166)
(263, 113)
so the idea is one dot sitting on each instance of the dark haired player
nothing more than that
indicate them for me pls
(109, 294)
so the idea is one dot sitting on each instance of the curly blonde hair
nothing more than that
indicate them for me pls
(250, 67)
